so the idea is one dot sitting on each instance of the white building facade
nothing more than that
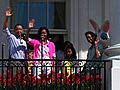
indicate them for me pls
(76, 22)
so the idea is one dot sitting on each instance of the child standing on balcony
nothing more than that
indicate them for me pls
(43, 49)
(70, 56)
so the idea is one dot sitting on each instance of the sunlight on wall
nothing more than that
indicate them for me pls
(83, 54)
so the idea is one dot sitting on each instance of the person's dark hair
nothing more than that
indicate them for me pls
(91, 33)
(70, 46)
(66, 43)
(40, 29)
(18, 25)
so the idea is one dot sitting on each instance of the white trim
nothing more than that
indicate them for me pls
(52, 31)
(16, 1)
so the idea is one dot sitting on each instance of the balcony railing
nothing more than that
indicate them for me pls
(57, 75)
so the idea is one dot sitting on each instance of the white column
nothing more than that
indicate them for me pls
(78, 26)
(115, 41)
(115, 75)
(73, 30)
(83, 27)
(115, 21)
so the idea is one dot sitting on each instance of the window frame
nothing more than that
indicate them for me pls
(34, 31)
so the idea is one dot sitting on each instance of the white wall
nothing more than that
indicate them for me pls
(3, 5)
(115, 39)
(115, 75)
(115, 21)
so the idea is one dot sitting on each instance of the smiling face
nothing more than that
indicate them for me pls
(44, 34)
(90, 38)
(18, 30)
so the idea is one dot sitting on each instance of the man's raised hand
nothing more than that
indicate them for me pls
(8, 12)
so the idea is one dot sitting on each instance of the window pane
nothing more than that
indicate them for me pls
(49, 14)
(56, 15)
(25, 12)
(38, 12)
(20, 14)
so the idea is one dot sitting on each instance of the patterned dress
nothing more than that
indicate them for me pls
(45, 52)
